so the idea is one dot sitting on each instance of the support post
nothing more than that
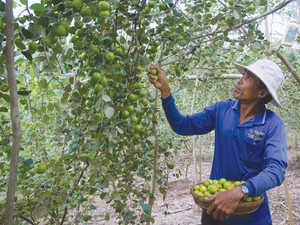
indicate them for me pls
(197, 175)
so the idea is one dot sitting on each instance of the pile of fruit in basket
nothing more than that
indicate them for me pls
(210, 187)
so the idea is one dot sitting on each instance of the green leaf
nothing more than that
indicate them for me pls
(5, 97)
(20, 44)
(177, 72)
(146, 208)
(53, 19)
(109, 112)
(122, 40)
(28, 162)
(68, 88)
(4, 141)
(24, 92)
(38, 8)
(116, 196)
(43, 84)
(56, 6)
(46, 118)
(120, 130)
(26, 33)
(50, 107)
(108, 41)
(93, 128)
(213, 21)
(128, 216)
(106, 98)
(31, 69)
(236, 15)
(44, 21)
(3, 109)
(57, 48)
(27, 55)
(92, 207)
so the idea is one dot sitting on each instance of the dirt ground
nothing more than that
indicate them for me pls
(178, 207)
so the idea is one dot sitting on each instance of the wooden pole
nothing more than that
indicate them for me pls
(197, 174)
(286, 192)
(200, 160)
(288, 201)
(221, 77)
(14, 112)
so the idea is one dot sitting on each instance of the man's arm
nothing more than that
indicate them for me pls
(275, 159)
(198, 123)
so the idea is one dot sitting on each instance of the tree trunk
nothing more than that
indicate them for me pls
(14, 112)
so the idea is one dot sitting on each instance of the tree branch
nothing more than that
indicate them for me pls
(28, 220)
(73, 190)
(289, 66)
(280, 6)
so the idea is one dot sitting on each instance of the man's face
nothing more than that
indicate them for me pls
(246, 89)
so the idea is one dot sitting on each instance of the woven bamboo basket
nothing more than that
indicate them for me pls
(242, 209)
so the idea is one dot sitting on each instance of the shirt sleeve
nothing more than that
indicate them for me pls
(275, 159)
(195, 124)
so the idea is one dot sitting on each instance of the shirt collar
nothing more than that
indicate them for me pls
(236, 106)
(259, 119)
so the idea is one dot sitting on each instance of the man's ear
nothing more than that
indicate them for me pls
(263, 93)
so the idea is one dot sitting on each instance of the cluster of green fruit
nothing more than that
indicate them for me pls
(151, 5)
(210, 187)
(103, 8)
(131, 112)
(62, 28)
(154, 73)
(134, 103)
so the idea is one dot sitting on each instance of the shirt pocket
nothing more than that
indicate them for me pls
(252, 150)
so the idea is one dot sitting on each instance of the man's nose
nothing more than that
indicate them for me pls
(240, 79)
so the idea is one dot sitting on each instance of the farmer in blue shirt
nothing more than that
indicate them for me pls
(250, 140)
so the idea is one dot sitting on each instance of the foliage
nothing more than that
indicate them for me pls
(85, 103)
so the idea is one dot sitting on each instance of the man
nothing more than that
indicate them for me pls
(250, 141)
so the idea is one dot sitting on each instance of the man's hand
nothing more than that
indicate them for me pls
(160, 82)
(224, 203)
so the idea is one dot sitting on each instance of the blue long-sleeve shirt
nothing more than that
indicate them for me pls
(254, 151)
